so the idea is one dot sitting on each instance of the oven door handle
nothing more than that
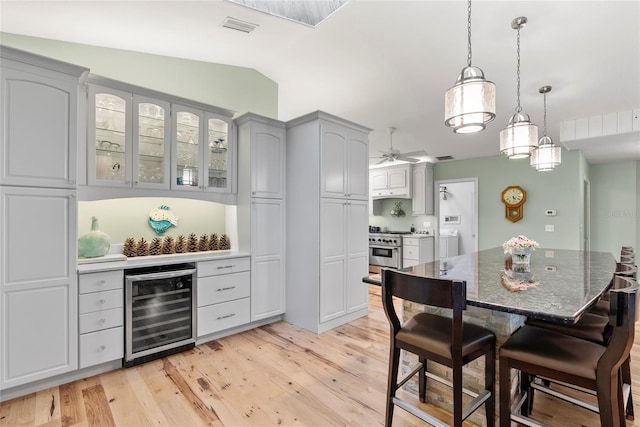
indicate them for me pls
(161, 275)
(384, 247)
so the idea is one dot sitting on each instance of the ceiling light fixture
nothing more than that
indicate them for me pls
(547, 156)
(520, 137)
(471, 103)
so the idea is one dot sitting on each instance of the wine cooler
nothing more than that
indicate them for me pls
(160, 316)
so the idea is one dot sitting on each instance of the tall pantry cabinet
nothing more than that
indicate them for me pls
(40, 118)
(261, 210)
(327, 221)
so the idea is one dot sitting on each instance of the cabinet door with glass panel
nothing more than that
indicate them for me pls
(203, 150)
(128, 140)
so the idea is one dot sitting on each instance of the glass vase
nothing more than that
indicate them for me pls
(521, 256)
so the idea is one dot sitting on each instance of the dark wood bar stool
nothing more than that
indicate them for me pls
(572, 361)
(595, 328)
(447, 341)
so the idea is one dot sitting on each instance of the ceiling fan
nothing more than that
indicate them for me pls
(391, 155)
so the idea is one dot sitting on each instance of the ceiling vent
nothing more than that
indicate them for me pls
(236, 24)
(441, 158)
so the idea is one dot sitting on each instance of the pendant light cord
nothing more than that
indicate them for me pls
(518, 108)
(469, 33)
(544, 132)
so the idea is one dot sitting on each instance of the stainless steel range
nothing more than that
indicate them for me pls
(385, 250)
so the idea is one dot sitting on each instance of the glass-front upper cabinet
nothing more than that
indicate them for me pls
(151, 148)
(203, 150)
(128, 140)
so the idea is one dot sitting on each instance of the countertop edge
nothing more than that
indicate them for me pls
(120, 262)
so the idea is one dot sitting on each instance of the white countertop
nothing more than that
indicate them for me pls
(119, 261)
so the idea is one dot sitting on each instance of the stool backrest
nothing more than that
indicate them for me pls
(626, 270)
(622, 316)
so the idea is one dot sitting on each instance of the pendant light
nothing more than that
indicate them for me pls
(471, 103)
(520, 137)
(547, 156)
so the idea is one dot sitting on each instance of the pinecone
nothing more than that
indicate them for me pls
(192, 243)
(155, 247)
(213, 242)
(129, 248)
(142, 248)
(224, 243)
(168, 245)
(181, 245)
(203, 243)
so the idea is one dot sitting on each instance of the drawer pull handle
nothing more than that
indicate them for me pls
(226, 266)
(102, 348)
(228, 288)
(102, 282)
(226, 316)
(101, 321)
(102, 301)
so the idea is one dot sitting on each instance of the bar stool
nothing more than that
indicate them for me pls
(447, 341)
(572, 361)
(596, 328)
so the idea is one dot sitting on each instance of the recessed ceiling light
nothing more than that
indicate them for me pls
(309, 12)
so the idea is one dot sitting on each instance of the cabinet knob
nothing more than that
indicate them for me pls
(101, 321)
(102, 301)
(101, 282)
(72, 182)
(135, 182)
(102, 348)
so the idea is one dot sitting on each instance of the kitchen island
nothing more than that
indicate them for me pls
(559, 285)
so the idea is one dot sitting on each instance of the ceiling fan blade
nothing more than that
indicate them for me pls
(415, 153)
(407, 159)
(384, 159)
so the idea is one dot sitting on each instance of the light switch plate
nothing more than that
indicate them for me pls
(549, 227)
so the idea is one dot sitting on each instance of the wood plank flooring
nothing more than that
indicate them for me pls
(275, 375)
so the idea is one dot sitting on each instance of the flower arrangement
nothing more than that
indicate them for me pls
(519, 244)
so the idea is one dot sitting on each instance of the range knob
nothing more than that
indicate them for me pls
(395, 241)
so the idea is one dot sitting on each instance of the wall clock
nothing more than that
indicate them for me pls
(513, 198)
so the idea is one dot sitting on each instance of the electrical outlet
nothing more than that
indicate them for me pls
(549, 227)
(550, 268)
(549, 254)
(426, 224)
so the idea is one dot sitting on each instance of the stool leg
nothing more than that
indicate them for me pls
(422, 380)
(490, 384)
(505, 392)
(392, 383)
(608, 404)
(626, 379)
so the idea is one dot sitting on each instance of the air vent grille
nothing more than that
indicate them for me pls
(444, 158)
(236, 24)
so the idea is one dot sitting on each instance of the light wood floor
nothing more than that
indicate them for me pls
(270, 376)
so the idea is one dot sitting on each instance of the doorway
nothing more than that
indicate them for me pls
(456, 202)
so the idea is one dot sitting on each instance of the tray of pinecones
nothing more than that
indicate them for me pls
(178, 245)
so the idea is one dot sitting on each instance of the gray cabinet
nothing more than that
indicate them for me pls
(327, 224)
(261, 211)
(422, 192)
(40, 117)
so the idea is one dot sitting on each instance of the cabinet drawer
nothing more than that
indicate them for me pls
(102, 346)
(411, 241)
(410, 252)
(102, 281)
(225, 287)
(223, 266)
(217, 317)
(99, 301)
(104, 319)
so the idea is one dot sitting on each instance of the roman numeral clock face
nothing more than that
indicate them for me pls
(514, 197)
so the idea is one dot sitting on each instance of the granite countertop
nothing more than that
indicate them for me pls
(558, 288)
(120, 262)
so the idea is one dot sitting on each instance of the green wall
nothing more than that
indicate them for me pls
(234, 88)
(614, 193)
(615, 198)
(560, 189)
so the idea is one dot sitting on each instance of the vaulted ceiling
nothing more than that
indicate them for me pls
(388, 63)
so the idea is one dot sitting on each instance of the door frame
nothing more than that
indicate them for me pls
(436, 211)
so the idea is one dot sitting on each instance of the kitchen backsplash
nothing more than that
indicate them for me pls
(122, 218)
(400, 223)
